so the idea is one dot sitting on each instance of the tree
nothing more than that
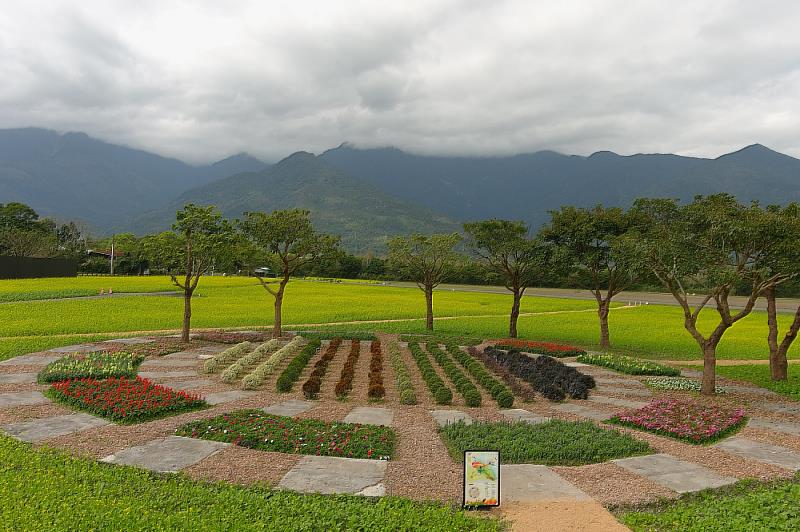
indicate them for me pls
(426, 260)
(709, 246)
(199, 237)
(586, 240)
(504, 248)
(289, 237)
(23, 234)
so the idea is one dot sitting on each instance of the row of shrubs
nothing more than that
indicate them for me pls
(542, 348)
(546, 375)
(257, 377)
(520, 388)
(236, 370)
(499, 391)
(376, 389)
(345, 383)
(472, 397)
(629, 365)
(312, 385)
(296, 366)
(404, 385)
(441, 393)
(227, 357)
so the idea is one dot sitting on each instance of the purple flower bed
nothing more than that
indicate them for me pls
(684, 420)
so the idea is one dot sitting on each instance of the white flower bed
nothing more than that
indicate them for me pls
(677, 384)
(265, 369)
(235, 370)
(227, 357)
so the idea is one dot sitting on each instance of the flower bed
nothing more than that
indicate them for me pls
(472, 397)
(498, 391)
(520, 388)
(629, 365)
(542, 348)
(91, 365)
(314, 382)
(292, 371)
(227, 357)
(257, 377)
(333, 334)
(124, 400)
(683, 420)
(376, 389)
(345, 383)
(257, 430)
(439, 390)
(405, 386)
(546, 375)
(239, 368)
(680, 384)
(233, 337)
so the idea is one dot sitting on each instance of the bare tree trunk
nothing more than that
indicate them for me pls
(783, 348)
(512, 323)
(276, 324)
(602, 313)
(429, 308)
(709, 385)
(778, 366)
(187, 315)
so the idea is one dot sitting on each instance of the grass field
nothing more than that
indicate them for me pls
(48, 490)
(649, 331)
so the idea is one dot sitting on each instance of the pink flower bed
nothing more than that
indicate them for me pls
(685, 420)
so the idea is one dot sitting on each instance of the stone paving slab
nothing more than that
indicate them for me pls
(22, 399)
(535, 483)
(167, 363)
(692, 373)
(50, 427)
(166, 374)
(167, 455)
(576, 364)
(620, 381)
(763, 452)
(786, 427)
(227, 397)
(332, 474)
(190, 354)
(580, 410)
(18, 378)
(130, 341)
(625, 403)
(289, 408)
(79, 348)
(780, 408)
(520, 414)
(368, 415)
(30, 360)
(189, 385)
(749, 389)
(445, 417)
(677, 475)
(638, 392)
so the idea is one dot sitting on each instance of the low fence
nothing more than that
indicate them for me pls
(30, 268)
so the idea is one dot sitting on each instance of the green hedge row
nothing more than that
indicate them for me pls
(629, 365)
(472, 397)
(498, 390)
(441, 393)
(292, 372)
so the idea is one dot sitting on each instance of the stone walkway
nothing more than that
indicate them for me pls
(50, 427)
(677, 475)
(764, 452)
(167, 455)
(445, 417)
(332, 474)
(367, 415)
(519, 414)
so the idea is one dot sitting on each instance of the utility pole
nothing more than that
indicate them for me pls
(112, 255)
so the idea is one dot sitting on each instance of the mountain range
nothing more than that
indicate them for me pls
(366, 195)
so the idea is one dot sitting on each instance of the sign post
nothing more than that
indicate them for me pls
(481, 478)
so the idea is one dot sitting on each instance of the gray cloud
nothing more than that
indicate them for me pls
(201, 80)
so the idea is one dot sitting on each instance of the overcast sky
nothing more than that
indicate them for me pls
(201, 80)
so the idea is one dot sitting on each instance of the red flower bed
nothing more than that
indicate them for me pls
(124, 400)
(684, 420)
(542, 348)
(376, 389)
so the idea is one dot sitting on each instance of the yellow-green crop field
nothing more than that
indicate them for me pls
(654, 331)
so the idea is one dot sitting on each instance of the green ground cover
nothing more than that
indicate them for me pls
(32, 289)
(48, 490)
(759, 374)
(554, 442)
(95, 365)
(747, 505)
(629, 365)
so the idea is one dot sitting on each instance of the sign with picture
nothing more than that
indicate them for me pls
(481, 478)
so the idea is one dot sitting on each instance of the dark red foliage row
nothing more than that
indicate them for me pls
(345, 383)
(376, 389)
(520, 388)
(312, 385)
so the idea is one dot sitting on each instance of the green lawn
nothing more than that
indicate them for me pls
(30, 289)
(759, 374)
(748, 505)
(48, 490)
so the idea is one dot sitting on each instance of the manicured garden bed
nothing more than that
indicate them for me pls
(680, 384)
(91, 365)
(314, 382)
(43, 489)
(548, 376)
(683, 420)
(257, 430)
(233, 337)
(345, 383)
(124, 400)
(405, 387)
(376, 389)
(364, 336)
(498, 391)
(468, 390)
(439, 390)
(554, 442)
(629, 365)
(440, 339)
(292, 371)
(542, 348)
(520, 388)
